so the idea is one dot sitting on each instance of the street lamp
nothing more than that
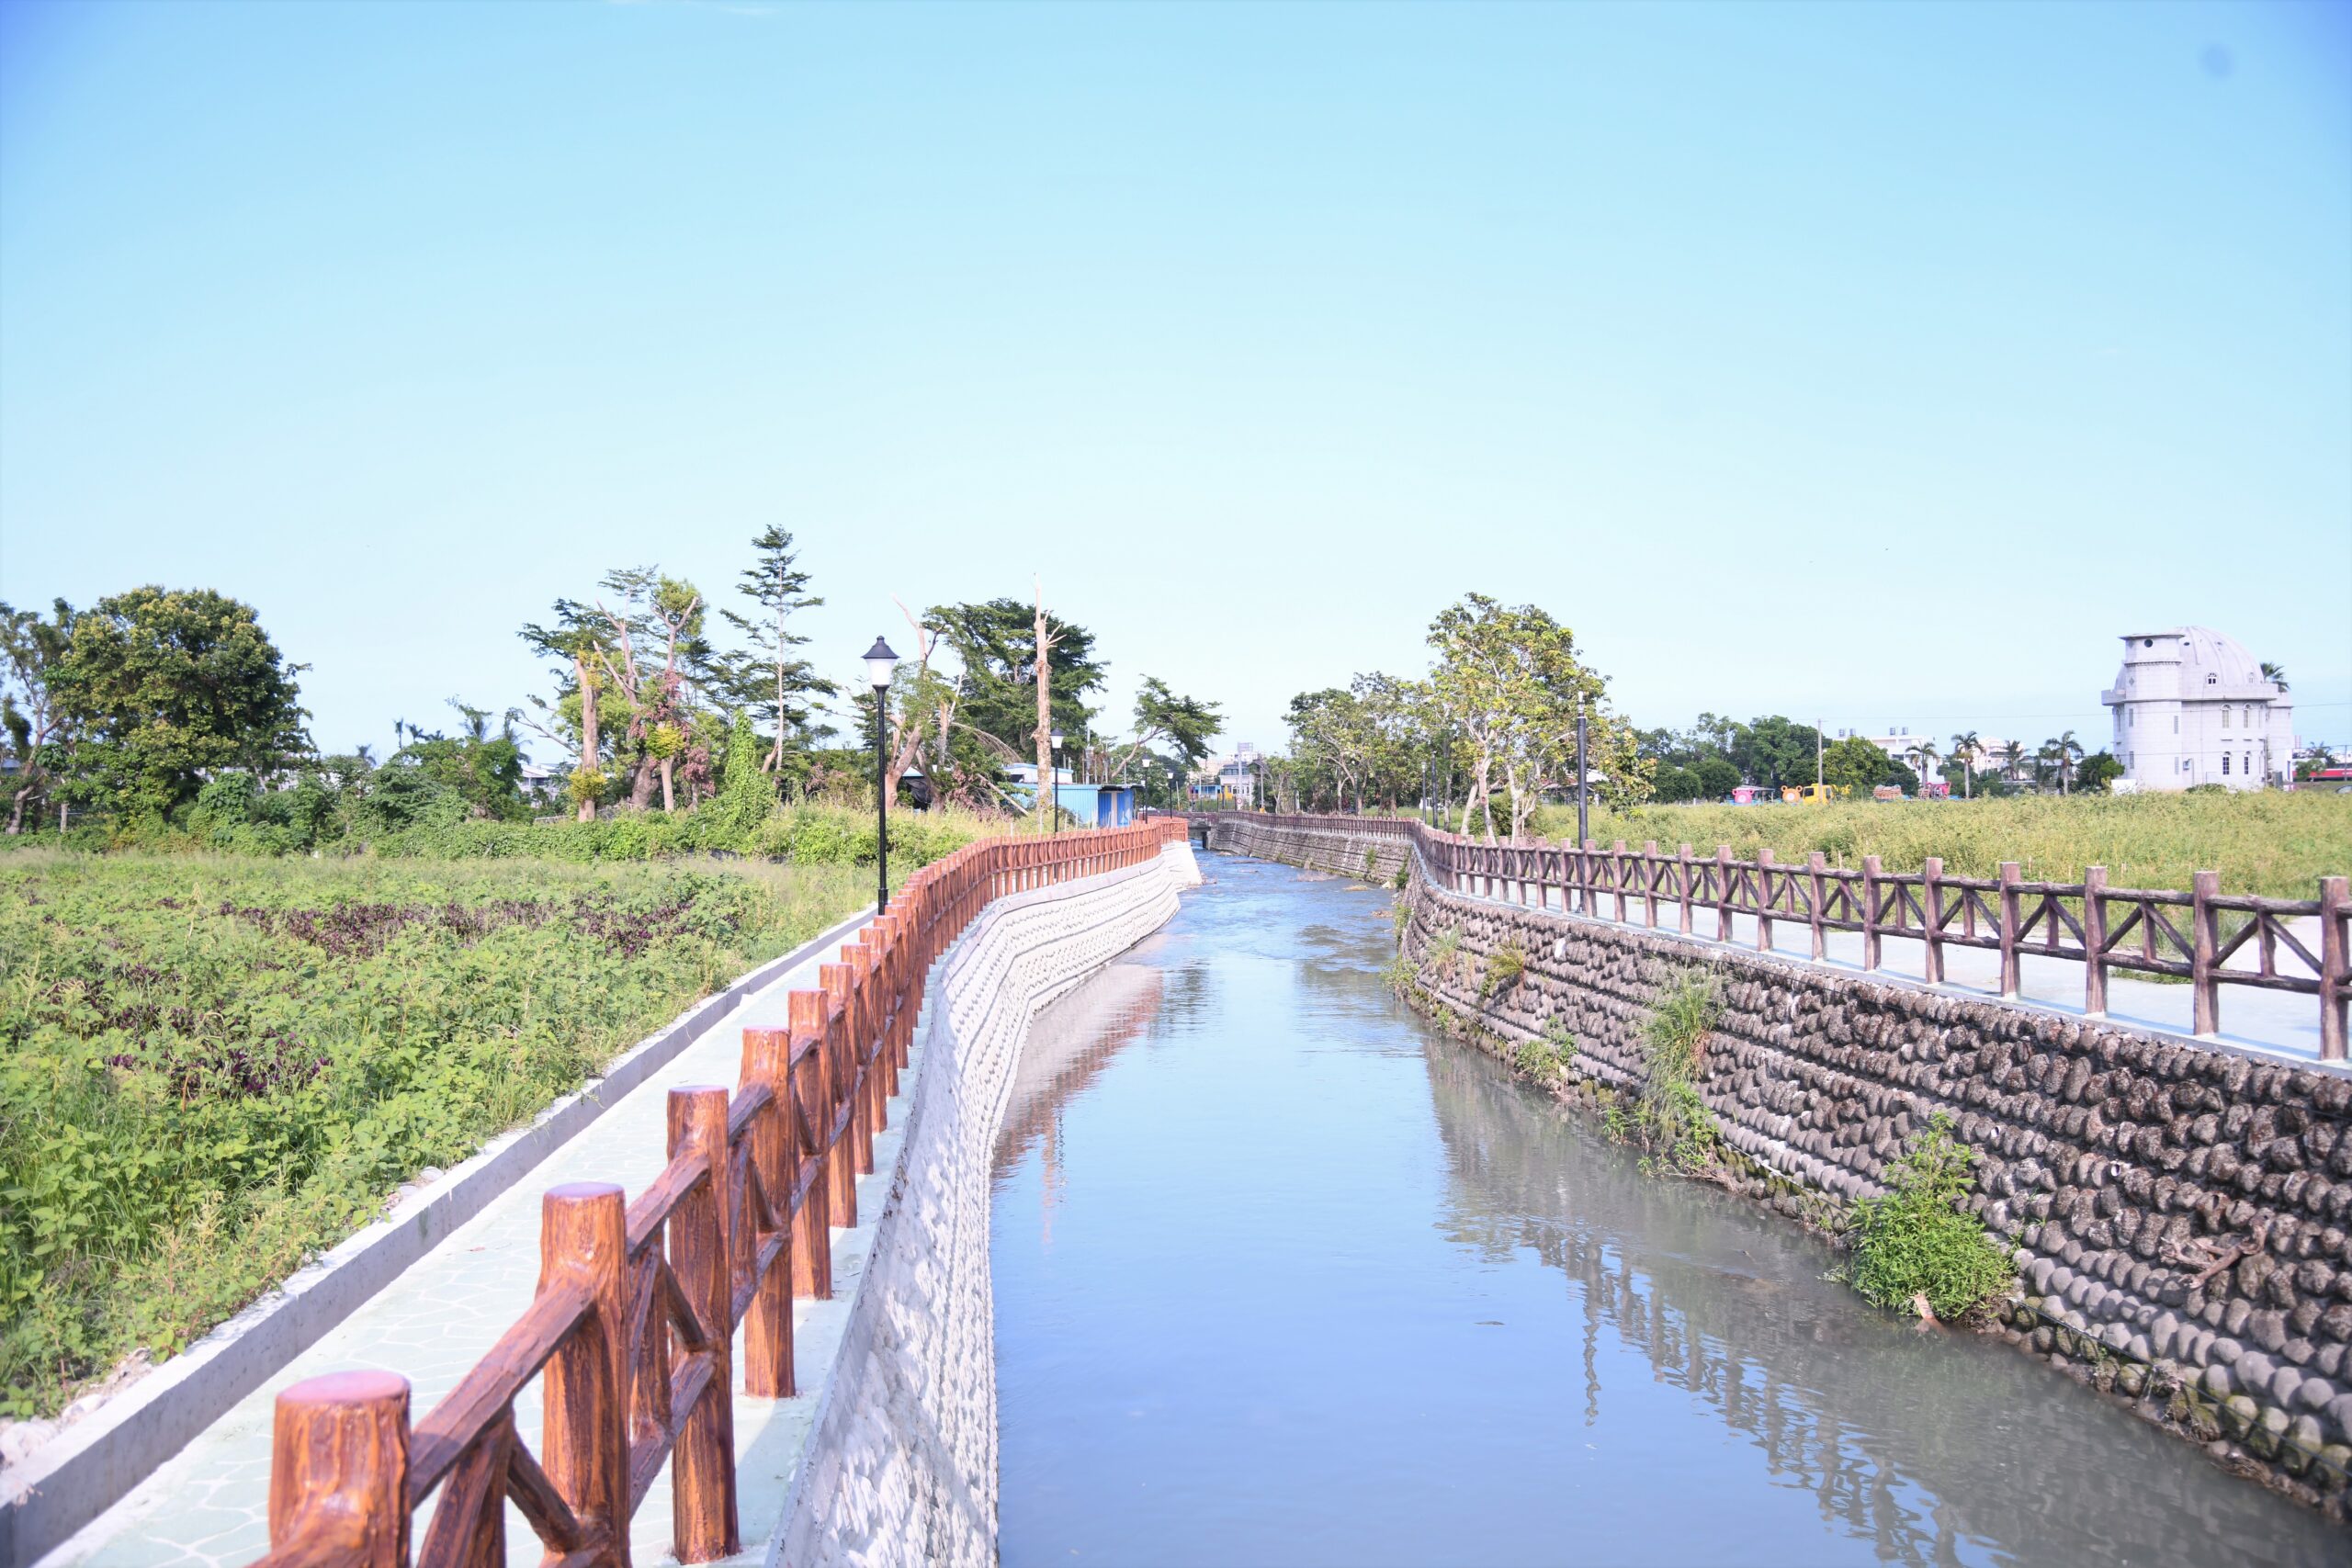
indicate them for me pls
(1049, 791)
(881, 665)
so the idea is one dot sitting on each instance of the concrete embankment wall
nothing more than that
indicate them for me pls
(900, 1467)
(2120, 1162)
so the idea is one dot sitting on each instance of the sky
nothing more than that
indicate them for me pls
(1878, 366)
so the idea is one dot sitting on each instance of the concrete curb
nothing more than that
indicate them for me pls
(92, 1464)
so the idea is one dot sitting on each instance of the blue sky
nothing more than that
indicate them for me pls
(1870, 363)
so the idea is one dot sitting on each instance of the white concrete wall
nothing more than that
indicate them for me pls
(901, 1467)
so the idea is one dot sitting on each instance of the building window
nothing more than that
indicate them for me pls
(2176, 730)
(2247, 764)
(2225, 761)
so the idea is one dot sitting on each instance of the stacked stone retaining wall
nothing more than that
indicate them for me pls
(901, 1466)
(1375, 856)
(2118, 1162)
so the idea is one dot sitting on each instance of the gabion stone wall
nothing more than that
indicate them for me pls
(2122, 1165)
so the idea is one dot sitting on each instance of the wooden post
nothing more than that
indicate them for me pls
(1723, 891)
(702, 1465)
(1814, 865)
(768, 1322)
(1589, 849)
(2094, 941)
(1649, 883)
(2011, 916)
(1874, 893)
(338, 1469)
(849, 987)
(1682, 892)
(583, 1447)
(2335, 968)
(1764, 900)
(2206, 922)
(1931, 902)
(812, 1247)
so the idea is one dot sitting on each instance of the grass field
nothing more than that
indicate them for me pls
(212, 1067)
(2267, 843)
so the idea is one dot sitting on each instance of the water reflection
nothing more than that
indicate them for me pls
(1281, 1278)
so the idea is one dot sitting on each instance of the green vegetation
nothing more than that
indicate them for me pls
(1504, 967)
(1443, 950)
(1917, 1241)
(1548, 1056)
(211, 1066)
(2261, 842)
(1671, 1122)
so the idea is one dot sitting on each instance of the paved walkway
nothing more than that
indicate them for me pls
(2279, 1023)
(205, 1508)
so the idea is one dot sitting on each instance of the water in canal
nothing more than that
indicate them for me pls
(1283, 1276)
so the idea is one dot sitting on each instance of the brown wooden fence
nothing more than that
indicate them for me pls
(632, 1328)
(2191, 936)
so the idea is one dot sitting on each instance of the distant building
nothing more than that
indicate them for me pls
(2193, 707)
(1233, 777)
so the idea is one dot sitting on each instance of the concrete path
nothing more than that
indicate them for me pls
(205, 1508)
(2274, 1023)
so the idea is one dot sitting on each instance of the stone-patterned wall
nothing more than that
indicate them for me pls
(901, 1465)
(1340, 853)
(2110, 1154)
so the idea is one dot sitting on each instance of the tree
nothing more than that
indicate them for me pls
(1856, 765)
(165, 687)
(995, 643)
(2011, 753)
(610, 677)
(768, 678)
(2275, 674)
(1508, 682)
(31, 648)
(2098, 771)
(1186, 724)
(2064, 752)
(1965, 749)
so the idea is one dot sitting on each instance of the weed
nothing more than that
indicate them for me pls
(1548, 1056)
(1443, 949)
(1675, 1125)
(1404, 877)
(1371, 864)
(1917, 1240)
(1504, 967)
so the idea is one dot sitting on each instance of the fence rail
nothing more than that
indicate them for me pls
(631, 1330)
(2191, 936)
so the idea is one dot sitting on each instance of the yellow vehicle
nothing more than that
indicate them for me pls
(1811, 795)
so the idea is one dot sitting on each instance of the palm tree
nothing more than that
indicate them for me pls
(2275, 674)
(1965, 749)
(2011, 753)
(2067, 752)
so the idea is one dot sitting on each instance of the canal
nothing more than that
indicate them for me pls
(1282, 1275)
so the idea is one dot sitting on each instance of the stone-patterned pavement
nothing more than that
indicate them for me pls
(205, 1508)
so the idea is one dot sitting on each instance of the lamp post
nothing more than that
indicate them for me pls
(881, 665)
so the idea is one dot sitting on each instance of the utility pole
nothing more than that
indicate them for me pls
(1047, 796)
(1816, 759)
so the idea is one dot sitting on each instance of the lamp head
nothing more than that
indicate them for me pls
(881, 665)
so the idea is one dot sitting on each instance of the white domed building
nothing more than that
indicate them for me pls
(2193, 707)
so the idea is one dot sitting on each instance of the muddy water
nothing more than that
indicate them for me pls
(1281, 1277)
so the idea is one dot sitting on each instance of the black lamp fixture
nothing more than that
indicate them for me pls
(881, 667)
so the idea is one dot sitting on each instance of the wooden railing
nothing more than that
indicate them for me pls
(631, 1331)
(2190, 936)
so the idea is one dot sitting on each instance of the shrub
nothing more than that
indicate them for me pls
(1443, 949)
(1917, 1241)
